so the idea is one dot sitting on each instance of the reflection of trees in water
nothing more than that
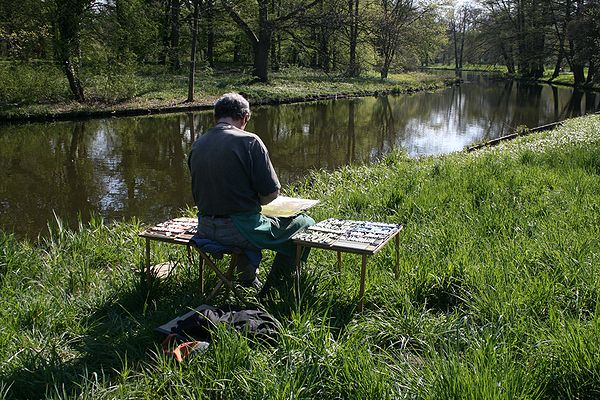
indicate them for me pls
(384, 122)
(555, 103)
(351, 134)
(137, 166)
(573, 108)
(315, 135)
(590, 102)
(580, 103)
(45, 168)
(75, 177)
(527, 101)
(496, 125)
(119, 167)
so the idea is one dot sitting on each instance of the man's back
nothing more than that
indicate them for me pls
(230, 168)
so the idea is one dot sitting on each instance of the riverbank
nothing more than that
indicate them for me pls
(497, 295)
(167, 93)
(564, 79)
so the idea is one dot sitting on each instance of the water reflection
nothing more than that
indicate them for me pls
(136, 167)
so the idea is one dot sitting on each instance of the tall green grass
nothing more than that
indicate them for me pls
(497, 296)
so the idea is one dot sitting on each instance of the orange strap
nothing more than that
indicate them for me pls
(181, 351)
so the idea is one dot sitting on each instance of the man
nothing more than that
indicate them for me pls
(232, 176)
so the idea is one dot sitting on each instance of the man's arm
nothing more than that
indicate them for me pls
(264, 200)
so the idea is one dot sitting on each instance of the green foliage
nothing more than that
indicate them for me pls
(110, 78)
(32, 83)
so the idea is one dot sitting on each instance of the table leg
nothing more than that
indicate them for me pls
(190, 256)
(201, 267)
(361, 293)
(298, 265)
(397, 243)
(147, 272)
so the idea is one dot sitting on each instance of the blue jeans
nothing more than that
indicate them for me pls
(222, 230)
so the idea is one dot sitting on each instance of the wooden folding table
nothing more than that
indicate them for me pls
(346, 236)
(179, 231)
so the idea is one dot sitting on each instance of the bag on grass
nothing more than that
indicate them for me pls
(254, 324)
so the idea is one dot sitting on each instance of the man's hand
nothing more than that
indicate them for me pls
(264, 200)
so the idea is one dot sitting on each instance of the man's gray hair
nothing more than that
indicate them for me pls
(232, 105)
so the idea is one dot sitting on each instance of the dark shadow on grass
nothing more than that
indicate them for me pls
(444, 296)
(282, 302)
(120, 329)
(123, 328)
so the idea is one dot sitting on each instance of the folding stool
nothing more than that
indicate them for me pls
(204, 247)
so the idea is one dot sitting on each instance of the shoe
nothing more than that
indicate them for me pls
(255, 283)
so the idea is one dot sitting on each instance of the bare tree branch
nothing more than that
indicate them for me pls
(240, 21)
(293, 13)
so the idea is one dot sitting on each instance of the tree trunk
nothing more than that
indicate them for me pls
(162, 58)
(578, 74)
(353, 12)
(455, 40)
(383, 72)
(191, 79)
(388, 57)
(462, 45)
(559, 60)
(69, 14)
(263, 45)
(210, 33)
(174, 59)
(74, 82)
(591, 72)
(508, 59)
(261, 60)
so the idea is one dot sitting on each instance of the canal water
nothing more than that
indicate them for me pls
(136, 166)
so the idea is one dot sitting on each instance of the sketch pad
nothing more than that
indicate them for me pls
(284, 206)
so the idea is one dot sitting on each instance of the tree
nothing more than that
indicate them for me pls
(353, 17)
(496, 32)
(132, 29)
(584, 39)
(458, 26)
(527, 20)
(319, 34)
(210, 31)
(260, 38)
(196, 15)
(69, 15)
(392, 26)
(25, 30)
(560, 16)
(174, 59)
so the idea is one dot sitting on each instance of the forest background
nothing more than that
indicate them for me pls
(110, 51)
